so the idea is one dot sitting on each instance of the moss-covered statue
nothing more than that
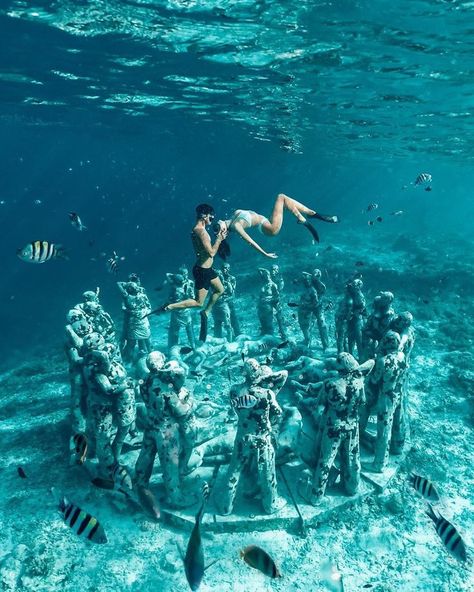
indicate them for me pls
(378, 323)
(258, 414)
(136, 327)
(170, 428)
(340, 400)
(181, 287)
(384, 396)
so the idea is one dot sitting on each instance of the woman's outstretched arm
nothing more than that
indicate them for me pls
(240, 230)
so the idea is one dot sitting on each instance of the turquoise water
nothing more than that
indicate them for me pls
(131, 113)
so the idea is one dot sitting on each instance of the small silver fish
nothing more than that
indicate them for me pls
(449, 535)
(396, 213)
(76, 221)
(40, 252)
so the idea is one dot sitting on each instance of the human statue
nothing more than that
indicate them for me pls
(339, 399)
(181, 287)
(258, 414)
(350, 318)
(230, 283)
(89, 296)
(76, 329)
(378, 323)
(221, 312)
(108, 411)
(403, 325)
(170, 429)
(100, 320)
(384, 394)
(305, 306)
(136, 329)
(268, 301)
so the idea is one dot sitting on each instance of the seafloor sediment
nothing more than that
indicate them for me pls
(382, 543)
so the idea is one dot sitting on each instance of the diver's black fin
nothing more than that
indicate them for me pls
(203, 330)
(324, 218)
(312, 229)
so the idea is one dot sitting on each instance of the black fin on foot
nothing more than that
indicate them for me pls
(312, 229)
(324, 218)
(203, 330)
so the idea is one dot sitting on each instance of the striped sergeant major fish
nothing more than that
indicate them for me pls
(40, 252)
(243, 402)
(424, 487)
(424, 179)
(194, 558)
(120, 480)
(448, 534)
(81, 522)
(111, 263)
(370, 207)
(81, 445)
(261, 560)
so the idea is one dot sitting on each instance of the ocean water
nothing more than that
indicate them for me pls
(130, 113)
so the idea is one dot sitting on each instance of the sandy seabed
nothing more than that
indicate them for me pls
(383, 543)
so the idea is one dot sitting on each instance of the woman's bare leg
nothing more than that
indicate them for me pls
(284, 202)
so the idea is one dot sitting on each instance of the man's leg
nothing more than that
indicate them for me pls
(217, 291)
(191, 302)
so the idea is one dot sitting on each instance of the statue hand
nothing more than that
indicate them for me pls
(271, 255)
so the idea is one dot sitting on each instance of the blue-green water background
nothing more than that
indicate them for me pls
(131, 113)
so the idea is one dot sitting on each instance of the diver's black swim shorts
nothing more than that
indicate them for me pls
(203, 277)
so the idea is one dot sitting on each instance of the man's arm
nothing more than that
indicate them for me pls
(211, 249)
